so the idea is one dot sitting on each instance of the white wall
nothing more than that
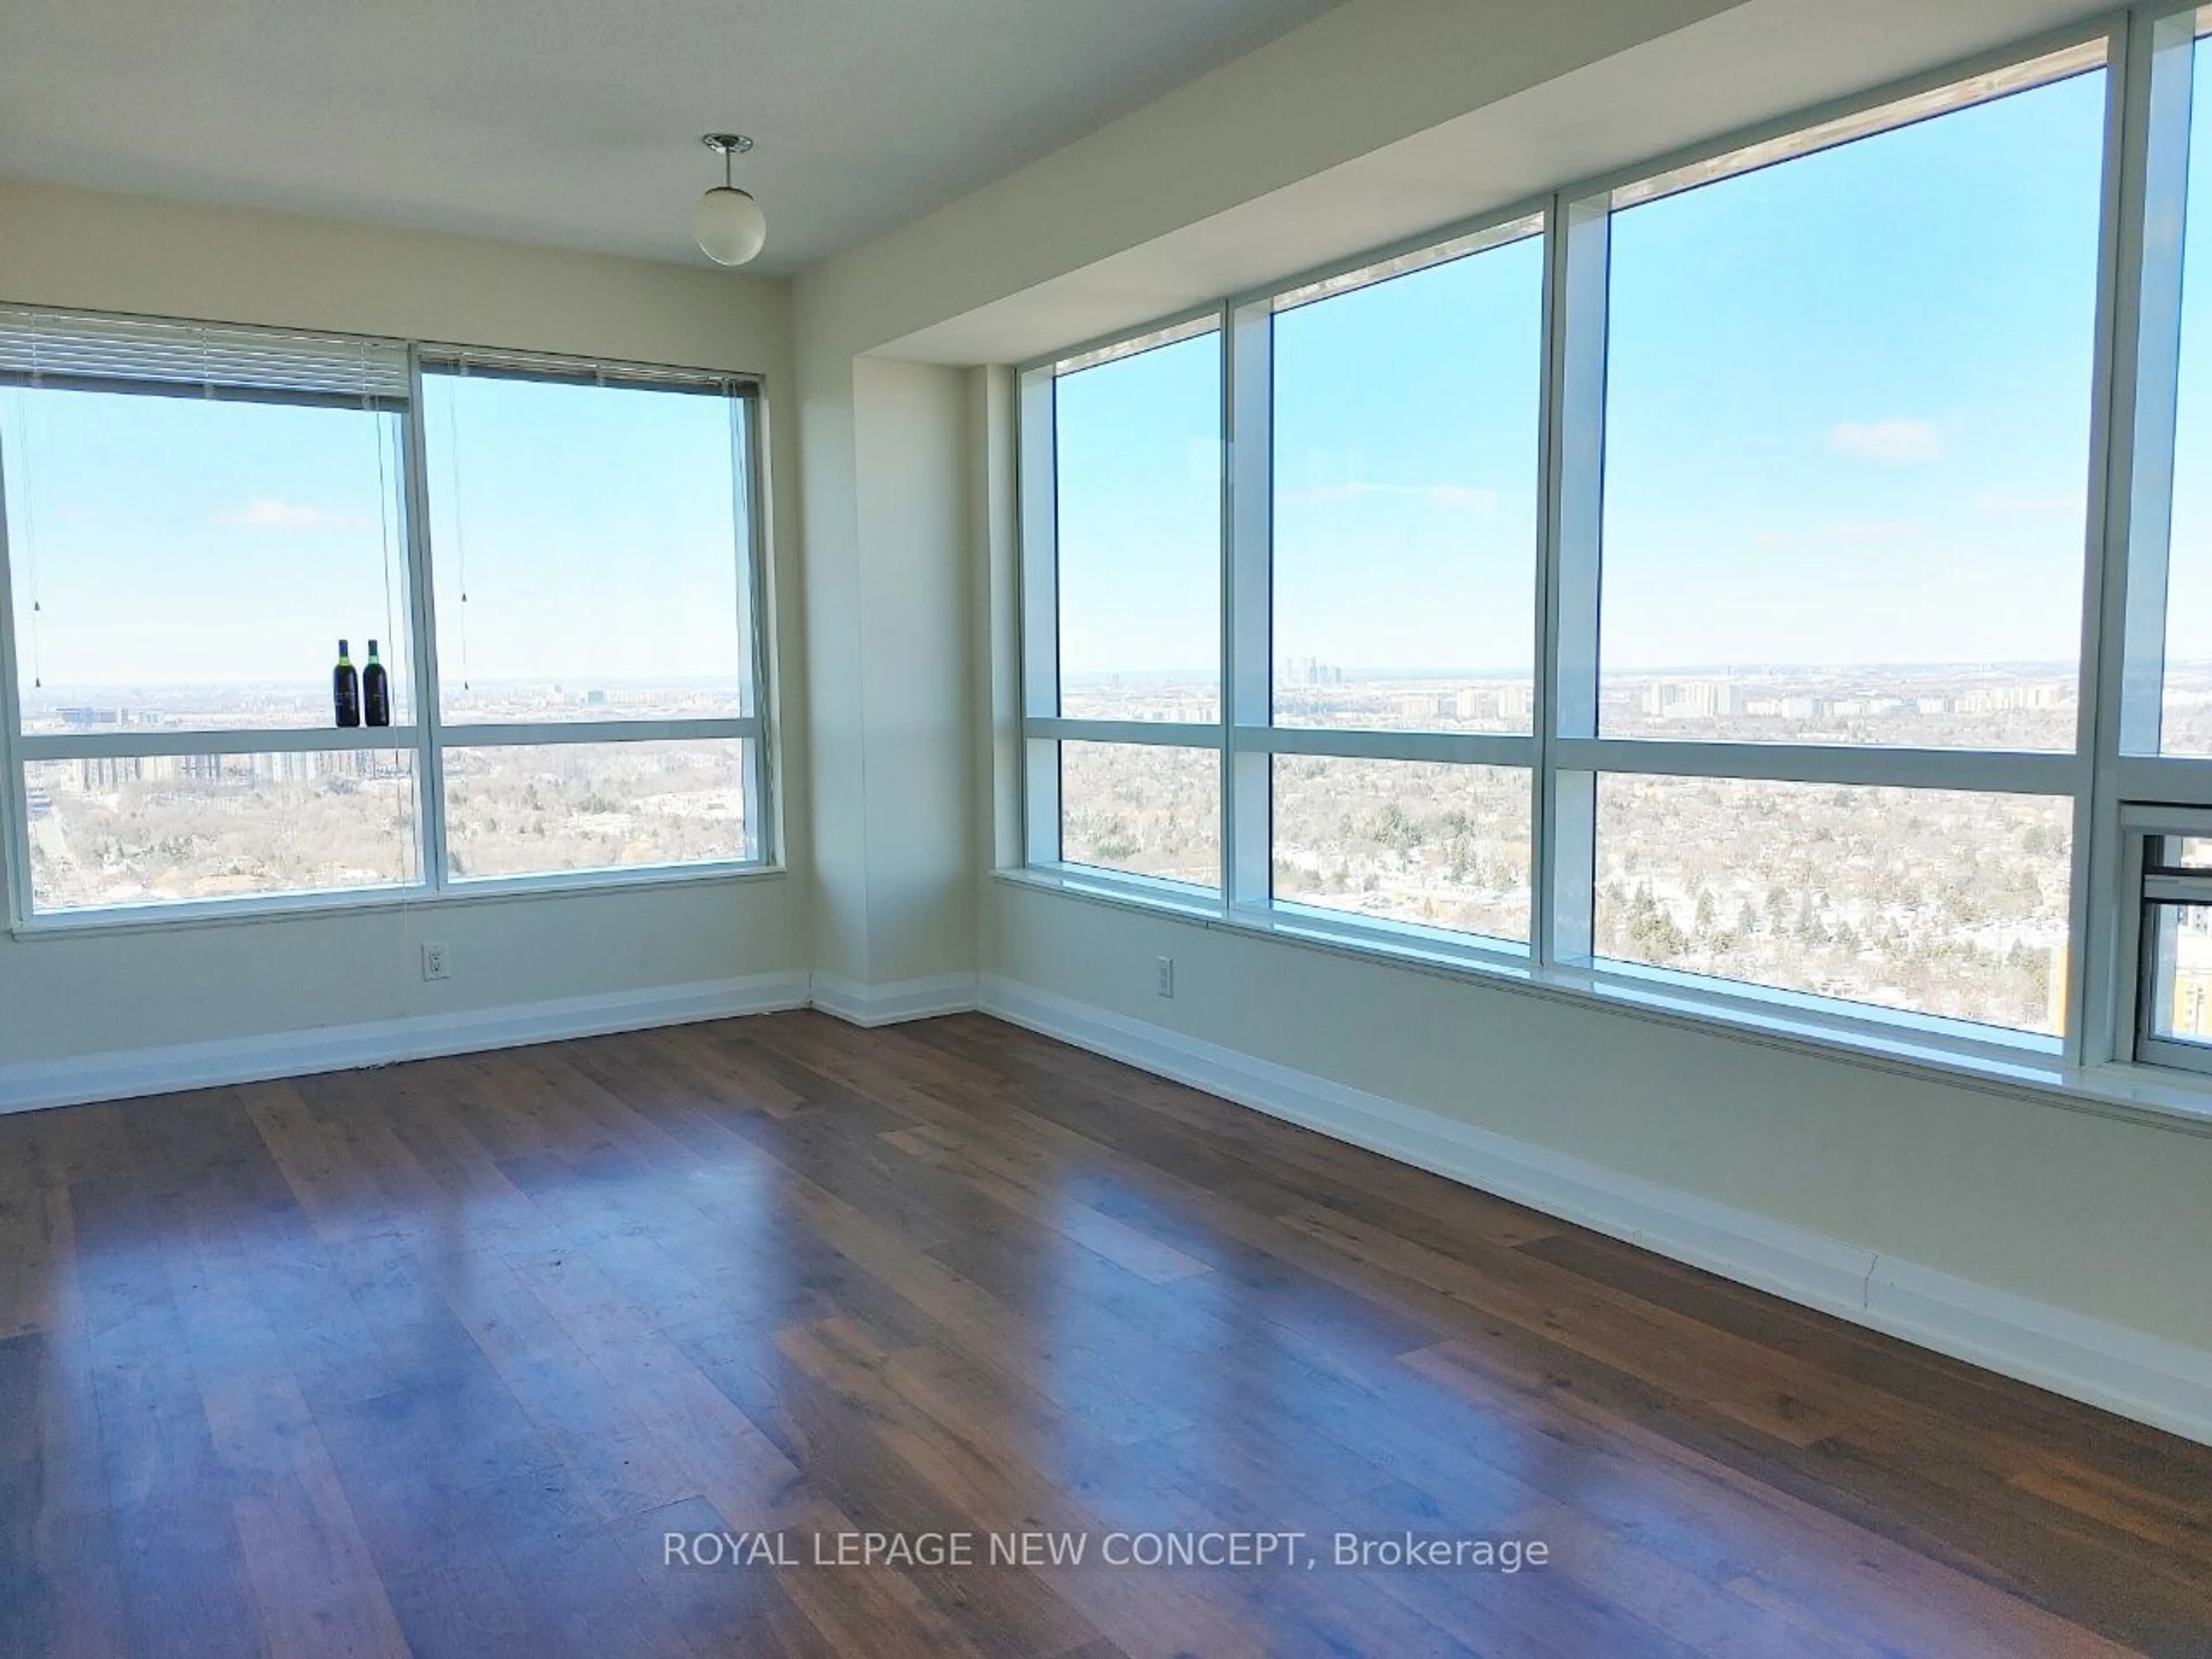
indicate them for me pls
(884, 461)
(87, 994)
(911, 424)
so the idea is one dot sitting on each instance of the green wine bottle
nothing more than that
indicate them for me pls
(375, 690)
(345, 689)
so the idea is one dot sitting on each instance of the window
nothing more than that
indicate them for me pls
(2178, 1010)
(1845, 424)
(1841, 891)
(2169, 868)
(1122, 495)
(540, 809)
(1143, 809)
(113, 829)
(1676, 593)
(1137, 450)
(1405, 493)
(588, 539)
(1399, 583)
(197, 515)
(1414, 842)
(1847, 402)
(592, 543)
(2170, 595)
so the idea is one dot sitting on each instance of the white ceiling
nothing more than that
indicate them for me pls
(576, 122)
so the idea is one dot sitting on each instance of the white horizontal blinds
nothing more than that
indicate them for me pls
(86, 351)
(584, 371)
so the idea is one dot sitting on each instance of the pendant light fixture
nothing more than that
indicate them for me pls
(728, 223)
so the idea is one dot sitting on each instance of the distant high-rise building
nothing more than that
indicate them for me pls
(1684, 700)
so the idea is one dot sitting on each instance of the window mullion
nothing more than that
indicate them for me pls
(2131, 484)
(1456, 748)
(1988, 770)
(1573, 450)
(138, 745)
(1171, 734)
(749, 466)
(496, 734)
(1247, 554)
(1038, 517)
(422, 614)
(14, 805)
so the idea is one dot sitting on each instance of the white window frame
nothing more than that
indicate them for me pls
(748, 470)
(2140, 824)
(1253, 738)
(427, 737)
(1043, 728)
(2146, 54)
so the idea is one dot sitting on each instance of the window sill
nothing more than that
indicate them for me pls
(232, 913)
(2004, 1063)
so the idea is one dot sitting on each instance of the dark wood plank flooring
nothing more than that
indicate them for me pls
(434, 1360)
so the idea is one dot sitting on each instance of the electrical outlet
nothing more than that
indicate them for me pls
(434, 962)
(1167, 976)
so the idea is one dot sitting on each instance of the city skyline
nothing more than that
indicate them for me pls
(1208, 677)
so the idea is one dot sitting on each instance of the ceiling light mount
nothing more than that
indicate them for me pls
(728, 223)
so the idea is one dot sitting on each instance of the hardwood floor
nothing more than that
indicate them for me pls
(434, 1359)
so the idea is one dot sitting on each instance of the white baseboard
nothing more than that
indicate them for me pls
(127, 1073)
(123, 1074)
(887, 1004)
(2144, 1377)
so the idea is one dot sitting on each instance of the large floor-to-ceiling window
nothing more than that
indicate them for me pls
(1838, 557)
(1125, 624)
(1403, 502)
(1761, 581)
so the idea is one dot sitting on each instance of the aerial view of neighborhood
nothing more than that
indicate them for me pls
(1945, 903)
(135, 829)
(1940, 902)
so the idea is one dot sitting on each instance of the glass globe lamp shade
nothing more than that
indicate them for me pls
(729, 225)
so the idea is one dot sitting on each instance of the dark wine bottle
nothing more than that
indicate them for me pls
(345, 689)
(375, 690)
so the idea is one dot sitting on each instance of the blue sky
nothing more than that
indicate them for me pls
(1139, 508)
(170, 540)
(1406, 468)
(1849, 400)
(178, 540)
(596, 526)
(1848, 423)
